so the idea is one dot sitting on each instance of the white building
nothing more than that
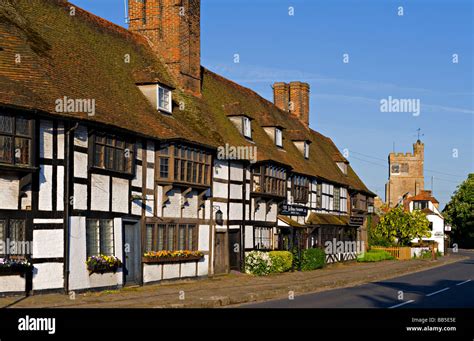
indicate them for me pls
(428, 204)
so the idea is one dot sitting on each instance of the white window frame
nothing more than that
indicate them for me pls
(246, 127)
(278, 137)
(306, 150)
(158, 100)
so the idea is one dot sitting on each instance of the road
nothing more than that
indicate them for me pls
(449, 286)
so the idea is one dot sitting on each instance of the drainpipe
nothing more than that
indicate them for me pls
(68, 155)
(242, 234)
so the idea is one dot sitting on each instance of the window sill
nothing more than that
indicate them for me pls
(103, 171)
(18, 169)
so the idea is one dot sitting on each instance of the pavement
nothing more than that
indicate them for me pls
(448, 286)
(237, 289)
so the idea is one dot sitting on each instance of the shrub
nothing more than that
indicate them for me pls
(281, 261)
(258, 263)
(312, 259)
(374, 256)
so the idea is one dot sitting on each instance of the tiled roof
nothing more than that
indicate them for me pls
(327, 219)
(83, 57)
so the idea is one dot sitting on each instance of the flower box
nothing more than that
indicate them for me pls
(11, 267)
(157, 257)
(102, 264)
(159, 260)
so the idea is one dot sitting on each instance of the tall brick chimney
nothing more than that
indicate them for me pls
(281, 95)
(293, 97)
(173, 28)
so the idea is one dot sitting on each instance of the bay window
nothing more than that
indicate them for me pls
(179, 163)
(269, 179)
(113, 153)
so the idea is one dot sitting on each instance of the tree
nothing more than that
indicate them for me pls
(459, 213)
(401, 227)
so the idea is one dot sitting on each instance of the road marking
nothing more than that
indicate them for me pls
(399, 305)
(437, 292)
(464, 282)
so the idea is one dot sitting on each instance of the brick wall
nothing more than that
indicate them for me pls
(173, 29)
(293, 97)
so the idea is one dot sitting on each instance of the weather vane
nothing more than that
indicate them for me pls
(419, 133)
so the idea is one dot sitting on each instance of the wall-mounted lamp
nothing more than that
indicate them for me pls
(219, 215)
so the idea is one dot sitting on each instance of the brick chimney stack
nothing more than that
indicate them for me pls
(293, 97)
(173, 29)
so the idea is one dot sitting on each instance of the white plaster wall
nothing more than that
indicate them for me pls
(139, 150)
(207, 209)
(60, 138)
(259, 210)
(235, 211)
(80, 165)
(120, 197)
(48, 243)
(136, 204)
(80, 197)
(159, 200)
(249, 237)
(173, 205)
(137, 180)
(272, 214)
(26, 200)
(236, 172)
(48, 276)
(9, 188)
(100, 192)
(170, 271)
(150, 203)
(152, 272)
(46, 139)
(219, 190)
(188, 269)
(60, 188)
(108, 279)
(203, 238)
(46, 188)
(14, 283)
(150, 152)
(190, 209)
(118, 247)
(203, 266)
(220, 169)
(150, 178)
(235, 191)
(80, 136)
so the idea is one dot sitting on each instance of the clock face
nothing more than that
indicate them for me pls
(396, 168)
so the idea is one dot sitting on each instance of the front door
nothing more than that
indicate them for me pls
(234, 250)
(132, 253)
(220, 256)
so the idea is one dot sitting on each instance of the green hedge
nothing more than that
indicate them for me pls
(281, 261)
(374, 256)
(312, 259)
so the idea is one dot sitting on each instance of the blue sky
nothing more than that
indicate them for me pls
(407, 56)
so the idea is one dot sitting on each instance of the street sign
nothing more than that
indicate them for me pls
(356, 220)
(295, 210)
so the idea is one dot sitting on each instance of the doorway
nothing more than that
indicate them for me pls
(220, 254)
(132, 252)
(234, 250)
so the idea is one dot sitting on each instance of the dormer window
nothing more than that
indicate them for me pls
(278, 137)
(164, 99)
(160, 96)
(246, 127)
(306, 150)
(343, 167)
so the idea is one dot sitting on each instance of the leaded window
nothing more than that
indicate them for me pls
(263, 238)
(300, 188)
(170, 237)
(16, 135)
(100, 237)
(114, 153)
(269, 179)
(13, 238)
